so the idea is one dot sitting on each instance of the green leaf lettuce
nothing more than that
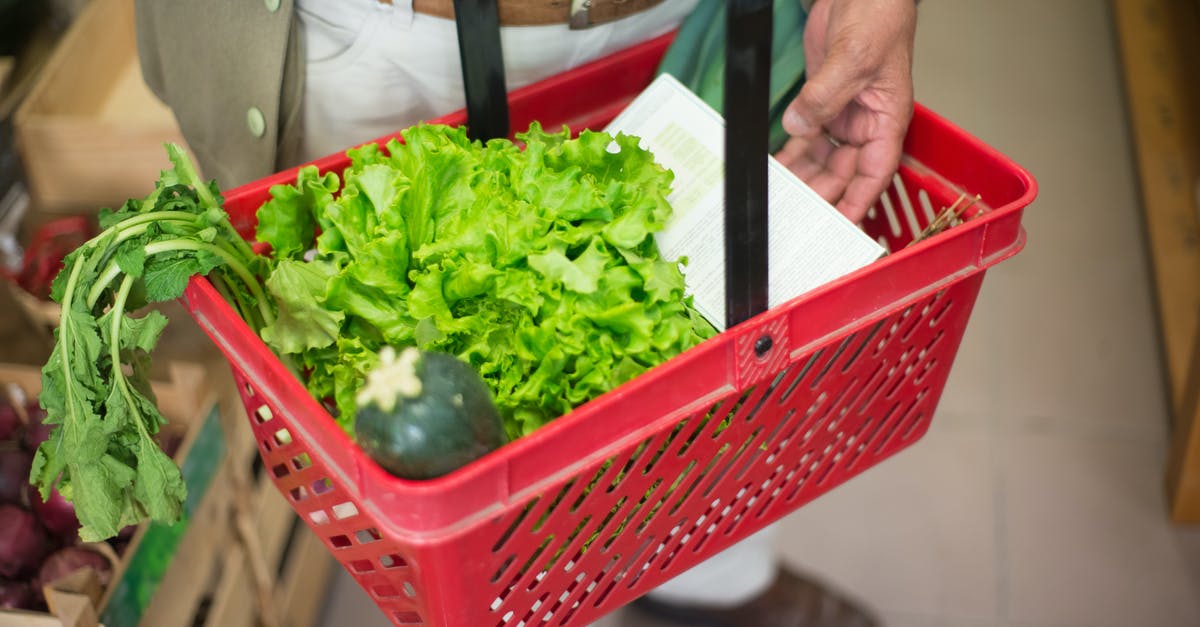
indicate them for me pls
(535, 262)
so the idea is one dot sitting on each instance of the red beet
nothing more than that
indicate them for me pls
(56, 513)
(16, 595)
(23, 542)
(122, 540)
(10, 423)
(70, 559)
(36, 431)
(169, 442)
(118, 545)
(14, 474)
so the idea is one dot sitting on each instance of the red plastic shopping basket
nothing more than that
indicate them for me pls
(631, 489)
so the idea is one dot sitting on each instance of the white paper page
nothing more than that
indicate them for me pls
(809, 242)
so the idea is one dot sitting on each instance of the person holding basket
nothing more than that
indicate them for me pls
(260, 86)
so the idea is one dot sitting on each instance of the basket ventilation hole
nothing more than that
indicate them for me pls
(279, 470)
(247, 390)
(321, 486)
(301, 461)
(319, 517)
(521, 517)
(298, 493)
(889, 212)
(263, 413)
(910, 214)
(342, 511)
(367, 536)
(503, 567)
(385, 592)
(409, 590)
(392, 561)
(929, 366)
(339, 542)
(927, 205)
(362, 566)
(283, 437)
(407, 618)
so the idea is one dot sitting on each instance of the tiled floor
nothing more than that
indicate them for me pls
(1036, 499)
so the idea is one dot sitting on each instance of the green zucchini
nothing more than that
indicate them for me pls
(422, 414)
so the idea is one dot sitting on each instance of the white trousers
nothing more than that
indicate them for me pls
(730, 577)
(373, 69)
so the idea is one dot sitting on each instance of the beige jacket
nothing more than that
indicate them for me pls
(232, 73)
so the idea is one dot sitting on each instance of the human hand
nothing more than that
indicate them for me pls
(849, 120)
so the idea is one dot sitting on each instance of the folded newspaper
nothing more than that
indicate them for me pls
(809, 242)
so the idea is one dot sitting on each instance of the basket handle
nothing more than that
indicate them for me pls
(747, 114)
(478, 24)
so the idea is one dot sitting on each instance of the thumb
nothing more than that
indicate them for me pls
(825, 94)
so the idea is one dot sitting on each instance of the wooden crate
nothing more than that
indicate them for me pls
(1161, 55)
(263, 567)
(242, 557)
(276, 574)
(41, 316)
(189, 398)
(182, 340)
(90, 133)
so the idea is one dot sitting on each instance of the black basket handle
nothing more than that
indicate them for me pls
(747, 103)
(478, 23)
(747, 117)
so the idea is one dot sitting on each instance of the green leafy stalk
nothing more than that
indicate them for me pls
(101, 453)
(239, 268)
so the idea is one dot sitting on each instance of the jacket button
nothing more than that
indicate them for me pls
(256, 122)
(272, 5)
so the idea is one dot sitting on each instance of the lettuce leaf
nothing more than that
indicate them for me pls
(533, 261)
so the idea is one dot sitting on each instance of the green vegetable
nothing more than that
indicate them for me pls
(424, 414)
(101, 454)
(538, 267)
(535, 267)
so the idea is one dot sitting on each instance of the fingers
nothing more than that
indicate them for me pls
(876, 161)
(860, 91)
(805, 156)
(825, 94)
(831, 182)
(825, 168)
(860, 195)
(850, 177)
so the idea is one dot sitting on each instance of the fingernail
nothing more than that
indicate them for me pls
(794, 123)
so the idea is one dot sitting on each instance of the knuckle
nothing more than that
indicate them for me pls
(856, 55)
(816, 97)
